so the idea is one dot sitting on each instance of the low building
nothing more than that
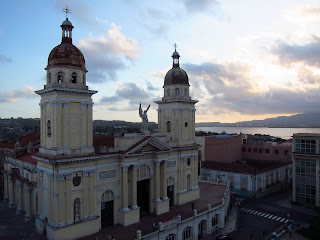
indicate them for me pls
(249, 177)
(306, 166)
(250, 169)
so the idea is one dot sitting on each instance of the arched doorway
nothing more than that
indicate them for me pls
(107, 202)
(144, 174)
(202, 231)
(170, 190)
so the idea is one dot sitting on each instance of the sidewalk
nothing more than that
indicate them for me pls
(229, 226)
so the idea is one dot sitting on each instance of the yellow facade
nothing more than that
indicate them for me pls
(76, 191)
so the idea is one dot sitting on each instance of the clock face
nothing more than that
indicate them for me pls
(74, 123)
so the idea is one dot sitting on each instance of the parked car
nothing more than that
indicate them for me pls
(223, 237)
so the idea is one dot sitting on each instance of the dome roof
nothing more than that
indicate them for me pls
(66, 23)
(66, 54)
(176, 75)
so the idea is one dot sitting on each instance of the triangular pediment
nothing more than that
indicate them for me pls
(149, 144)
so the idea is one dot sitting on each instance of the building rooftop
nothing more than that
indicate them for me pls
(209, 193)
(244, 166)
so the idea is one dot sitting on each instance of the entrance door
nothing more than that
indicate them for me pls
(170, 194)
(143, 196)
(106, 213)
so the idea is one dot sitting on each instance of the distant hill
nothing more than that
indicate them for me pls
(305, 120)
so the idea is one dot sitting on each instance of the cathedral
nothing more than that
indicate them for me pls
(73, 183)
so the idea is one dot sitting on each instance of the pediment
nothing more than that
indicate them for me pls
(149, 144)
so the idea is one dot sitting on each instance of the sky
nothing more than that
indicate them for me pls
(245, 59)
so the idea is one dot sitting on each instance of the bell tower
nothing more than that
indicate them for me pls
(66, 103)
(176, 111)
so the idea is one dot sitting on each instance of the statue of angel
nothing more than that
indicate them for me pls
(144, 116)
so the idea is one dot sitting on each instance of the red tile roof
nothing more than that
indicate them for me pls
(250, 166)
(24, 140)
(28, 158)
(101, 140)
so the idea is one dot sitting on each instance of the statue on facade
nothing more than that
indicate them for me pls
(144, 116)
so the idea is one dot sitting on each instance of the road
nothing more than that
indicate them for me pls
(266, 215)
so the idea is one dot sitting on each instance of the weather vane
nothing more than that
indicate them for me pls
(175, 47)
(67, 10)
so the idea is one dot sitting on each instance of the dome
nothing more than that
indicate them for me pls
(66, 54)
(66, 23)
(176, 75)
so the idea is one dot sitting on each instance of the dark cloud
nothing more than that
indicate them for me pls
(193, 6)
(309, 53)
(131, 93)
(150, 87)
(4, 58)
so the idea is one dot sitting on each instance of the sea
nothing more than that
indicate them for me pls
(284, 133)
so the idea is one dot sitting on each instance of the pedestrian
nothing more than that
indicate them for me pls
(290, 232)
(192, 206)
(154, 226)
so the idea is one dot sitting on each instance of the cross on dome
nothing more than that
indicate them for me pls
(67, 10)
(175, 47)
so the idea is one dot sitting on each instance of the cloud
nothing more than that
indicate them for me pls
(193, 6)
(127, 92)
(150, 87)
(105, 55)
(308, 54)
(4, 58)
(231, 87)
(14, 96)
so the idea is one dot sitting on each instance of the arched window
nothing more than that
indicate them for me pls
(186, 234)
(188, 182)
(168, 126)
(168, 92)
(74, 78)
(177, 91)
(107, 196)
(185, 92)
(171, 237)
(49, 78)
(76, 210)
(215, 220)
(49, 128)
(59, 77)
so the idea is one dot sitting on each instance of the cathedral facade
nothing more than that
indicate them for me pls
(74, 183)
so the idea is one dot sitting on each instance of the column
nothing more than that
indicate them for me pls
(134, 187)
(55, 182)
(92, 193)
(195, 171)
(125, 189)
(157, 182)
(164, 181)
(68, 204)
(18, 200)
(40, 194)
(27, 202)
(6, 186)
(10, 190)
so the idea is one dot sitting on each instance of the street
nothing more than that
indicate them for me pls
(267, 214)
